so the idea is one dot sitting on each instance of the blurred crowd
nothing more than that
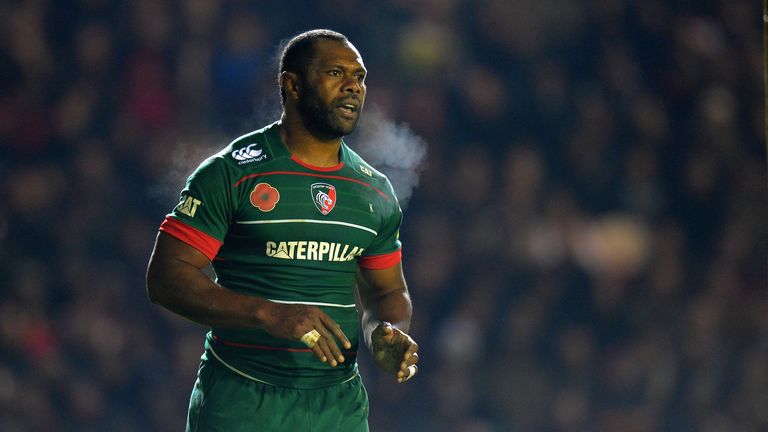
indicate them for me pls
(586, 247)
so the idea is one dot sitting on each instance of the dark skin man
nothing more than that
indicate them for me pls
(321, 106)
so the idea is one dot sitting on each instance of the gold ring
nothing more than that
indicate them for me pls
(310, 338)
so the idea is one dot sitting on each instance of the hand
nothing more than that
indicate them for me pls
(394, 351)
(292, 321)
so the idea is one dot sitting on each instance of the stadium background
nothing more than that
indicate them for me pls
(586, 247)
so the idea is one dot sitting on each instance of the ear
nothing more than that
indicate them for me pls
(291, 84)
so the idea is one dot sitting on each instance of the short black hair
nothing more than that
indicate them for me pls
(298, 52)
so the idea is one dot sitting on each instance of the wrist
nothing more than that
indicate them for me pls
(261, 311)
(369, 326)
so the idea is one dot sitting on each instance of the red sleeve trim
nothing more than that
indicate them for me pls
(192, 236)
(380, 262)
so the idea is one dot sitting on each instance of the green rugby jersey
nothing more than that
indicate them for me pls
(278, 228)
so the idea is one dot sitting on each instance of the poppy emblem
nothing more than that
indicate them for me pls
(264, 197)
(324, 197)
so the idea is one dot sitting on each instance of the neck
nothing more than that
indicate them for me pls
(307, 147)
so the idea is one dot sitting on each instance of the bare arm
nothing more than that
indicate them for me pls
(386, 320)
(384, 296)
(175, 280)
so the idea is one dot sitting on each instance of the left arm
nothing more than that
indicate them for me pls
(386, 320)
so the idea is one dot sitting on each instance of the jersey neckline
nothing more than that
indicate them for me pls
(336, 167)
(273, 134)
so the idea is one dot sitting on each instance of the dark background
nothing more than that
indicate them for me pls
(586, 248)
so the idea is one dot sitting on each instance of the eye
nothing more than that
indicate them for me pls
(360, 78)
(334, 73)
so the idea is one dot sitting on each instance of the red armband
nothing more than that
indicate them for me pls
(380, 262)
(192, 236)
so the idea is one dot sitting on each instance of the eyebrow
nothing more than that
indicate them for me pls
(345, 68)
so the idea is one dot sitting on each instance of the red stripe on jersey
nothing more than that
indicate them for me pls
(380, 262)
(266, 347)
(192, 236)
(317, 168)
(298, 173)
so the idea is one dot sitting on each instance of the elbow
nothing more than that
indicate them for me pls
(153, 293)
(154, 286)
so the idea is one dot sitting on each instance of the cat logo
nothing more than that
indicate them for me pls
(366, 171)
(324, 197)
(188, 205)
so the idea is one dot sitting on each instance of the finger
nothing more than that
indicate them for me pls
(336, 330)
(319, 353)
(324, 345)
(412, 360)
(391, 333)
(327, 344)
(314, 343)
(412, 371)
(334, 352)
(387, 329)
(412, 348)
(406, 364)
(408, 345)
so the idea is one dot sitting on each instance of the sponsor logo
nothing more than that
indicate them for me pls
(188, 205)
(264, 197)
(249, 154)
(312, 251)
(324, 197)
(365, 170)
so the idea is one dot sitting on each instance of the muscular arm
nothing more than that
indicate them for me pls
(384, 296)
(175, 280)
(386, 320)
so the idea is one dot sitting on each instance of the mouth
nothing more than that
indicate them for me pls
(349, 109)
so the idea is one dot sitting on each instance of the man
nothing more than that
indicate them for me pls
(291, 220)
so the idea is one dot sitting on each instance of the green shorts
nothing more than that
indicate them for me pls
(224, 401)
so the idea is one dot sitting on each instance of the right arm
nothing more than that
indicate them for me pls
(175, 280)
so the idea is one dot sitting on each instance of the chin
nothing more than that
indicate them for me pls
(327, 126)
(344, 127)
(349, 130)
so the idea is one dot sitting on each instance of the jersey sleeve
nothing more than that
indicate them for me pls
(205, 209)
(385, 251)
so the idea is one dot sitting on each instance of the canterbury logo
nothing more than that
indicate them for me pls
(247, 153)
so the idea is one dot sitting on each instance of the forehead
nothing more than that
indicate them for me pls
(337, 52)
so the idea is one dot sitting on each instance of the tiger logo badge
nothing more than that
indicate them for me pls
(324, 197)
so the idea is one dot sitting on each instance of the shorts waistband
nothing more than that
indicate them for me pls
(258, 380)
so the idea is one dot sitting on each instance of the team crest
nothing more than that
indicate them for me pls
(324, 197)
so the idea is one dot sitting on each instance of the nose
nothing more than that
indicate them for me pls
(352, 85)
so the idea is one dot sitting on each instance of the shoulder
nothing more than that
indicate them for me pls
(368, 174)
(244, 153)
(249, 149)
(363, 168)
